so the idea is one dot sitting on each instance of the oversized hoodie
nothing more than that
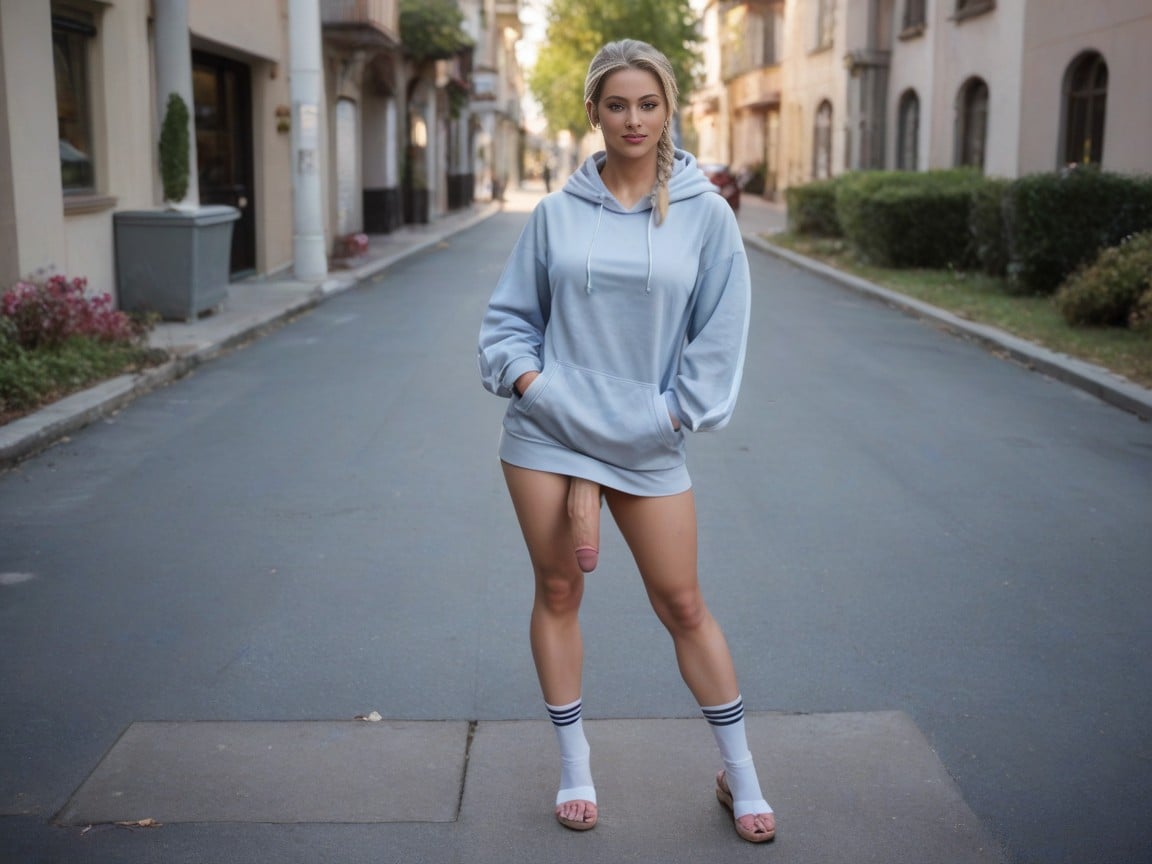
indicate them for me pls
(629, 324)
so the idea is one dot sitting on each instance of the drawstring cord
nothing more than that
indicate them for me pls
(588, 263)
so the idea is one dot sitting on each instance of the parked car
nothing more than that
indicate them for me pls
(725, 181)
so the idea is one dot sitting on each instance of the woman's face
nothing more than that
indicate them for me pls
(631, 112)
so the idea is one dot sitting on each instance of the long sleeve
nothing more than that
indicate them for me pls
(512, 332)
(712, 362)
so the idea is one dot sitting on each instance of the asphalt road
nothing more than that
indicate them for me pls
(315, 527)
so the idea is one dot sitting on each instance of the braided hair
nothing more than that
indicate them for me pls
(634, 54)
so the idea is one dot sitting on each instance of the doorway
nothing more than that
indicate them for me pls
(222, 92)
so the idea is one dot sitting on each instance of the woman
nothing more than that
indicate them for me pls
(621, 318)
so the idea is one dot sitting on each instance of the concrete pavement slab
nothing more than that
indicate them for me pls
(345, 771)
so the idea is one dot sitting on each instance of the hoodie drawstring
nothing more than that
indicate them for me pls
(592, 243)
(588, 263)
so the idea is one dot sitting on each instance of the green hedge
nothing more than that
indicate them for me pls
(1059, 222)
(987, 228)
(812, 209)
(908, 219)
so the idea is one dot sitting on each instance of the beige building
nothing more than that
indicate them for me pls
(80, 117)
(805, 89)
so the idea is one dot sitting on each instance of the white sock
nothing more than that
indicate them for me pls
(575, 754)
(727, 722)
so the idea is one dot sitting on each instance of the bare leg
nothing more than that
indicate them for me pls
(540, 500)
(584, 511)
(661, 532)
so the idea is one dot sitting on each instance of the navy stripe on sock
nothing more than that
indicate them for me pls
(566, 717)
(725, 716)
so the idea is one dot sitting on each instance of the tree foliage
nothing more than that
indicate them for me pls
(432, 29)
(577, 29)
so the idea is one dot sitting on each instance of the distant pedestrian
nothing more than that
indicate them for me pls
(547, 177)
(620, 319)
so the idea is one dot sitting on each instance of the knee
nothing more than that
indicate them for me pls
(683, 612)
(559, 590)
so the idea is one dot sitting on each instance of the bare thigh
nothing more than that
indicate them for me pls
(541, 503)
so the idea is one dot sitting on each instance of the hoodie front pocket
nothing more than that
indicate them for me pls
(612, 419)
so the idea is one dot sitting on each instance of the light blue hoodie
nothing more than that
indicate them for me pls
(628, 322)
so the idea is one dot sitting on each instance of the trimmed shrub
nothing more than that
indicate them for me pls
(45, 315)
(986, 226)
(1141, 316)
(1107, 292)
(907, 218)
(812, 209)
(1059, 222)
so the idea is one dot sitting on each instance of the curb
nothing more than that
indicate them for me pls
(1096, 380)
(53, 423)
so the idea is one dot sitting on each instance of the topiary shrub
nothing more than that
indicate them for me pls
(174, 149)
(1107, 292)
(1059, 222)
(812, 209)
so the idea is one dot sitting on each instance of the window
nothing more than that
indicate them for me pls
(822, 142)
(972, 122)
(825, 23)
(72, 34)
(914, 18)
(972, 8)
(1085, 102)
(907, 145)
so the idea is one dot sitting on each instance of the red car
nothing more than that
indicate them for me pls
(725, 181)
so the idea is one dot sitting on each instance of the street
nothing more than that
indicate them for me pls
(315, 527)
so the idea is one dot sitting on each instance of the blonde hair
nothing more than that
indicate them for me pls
(634, 54)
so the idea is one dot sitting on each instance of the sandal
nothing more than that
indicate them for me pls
(724, 795)
(587, 824)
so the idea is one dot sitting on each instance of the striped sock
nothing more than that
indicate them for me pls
(575, 754)
(727, 722)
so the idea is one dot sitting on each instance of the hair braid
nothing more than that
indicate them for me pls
(665, 157)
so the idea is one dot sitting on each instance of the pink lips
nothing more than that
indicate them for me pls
(635, 139)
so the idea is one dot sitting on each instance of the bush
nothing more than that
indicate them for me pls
(1140, 318)
(54, 340)
(986, 226)
(812, 209)
(45, 315)
(1107, 292)
(1059, 222)
(907, 218)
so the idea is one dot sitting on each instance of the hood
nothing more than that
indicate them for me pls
(687, 181)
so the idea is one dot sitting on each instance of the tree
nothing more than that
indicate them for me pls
(432, 29)
(577, 29)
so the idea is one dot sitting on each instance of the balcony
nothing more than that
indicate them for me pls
(508, 14)
(758, 89)
(361, 23)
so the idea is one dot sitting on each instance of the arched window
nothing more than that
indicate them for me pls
(822, 142)
(1085, 102)
(908, 144)
(972, 123)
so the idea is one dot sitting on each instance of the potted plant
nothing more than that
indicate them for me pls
(174, 262)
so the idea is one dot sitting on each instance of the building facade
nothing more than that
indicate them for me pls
(394, 136)
(806, 89)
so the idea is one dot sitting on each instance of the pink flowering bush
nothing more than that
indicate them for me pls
(48, 314)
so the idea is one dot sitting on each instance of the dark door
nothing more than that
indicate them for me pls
(222, 91)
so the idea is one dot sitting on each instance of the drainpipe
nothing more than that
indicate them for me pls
(309, 259)
(174, 75)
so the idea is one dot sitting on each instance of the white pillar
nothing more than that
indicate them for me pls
(174, 75)
(309, 258)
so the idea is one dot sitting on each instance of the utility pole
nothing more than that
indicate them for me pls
(174, 75)
(309, 258)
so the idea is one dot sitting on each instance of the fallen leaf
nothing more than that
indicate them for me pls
(140, 823)
(374, 717)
